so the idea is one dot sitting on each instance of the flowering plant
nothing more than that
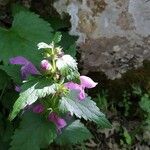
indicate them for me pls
(51, 98)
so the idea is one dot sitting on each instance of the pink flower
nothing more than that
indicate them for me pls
(59, 122)
(39, 108)
(85, 82)
(17, 88)
(45, 65)
(27, 67)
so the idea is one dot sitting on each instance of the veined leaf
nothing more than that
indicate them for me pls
(31, 91)
(86, 109)
(34, 133)
(66, 62)
(57, 37)
(22, 38)
(74, 133)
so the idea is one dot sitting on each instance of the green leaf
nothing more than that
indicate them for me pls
(58, 23)
(145, 103)
(66, 62)
(57, 37)
(68, 44)
(86, 109)
(4, 79)
(9, 99)
(68, 67)
(22, 38)
(16, 8)
(71, 50)
(74, 133)
(127, 137)
(14, 72)
(31, 91)
(34, 133)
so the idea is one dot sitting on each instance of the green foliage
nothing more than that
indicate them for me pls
(68, 43)
(21, 39)
(126, 137)
(4, 79)
(5, 136)
(145, 106)
(101, 101)
(74, 133)
(16, 8)
(57, 37)
(34, 133)
(59, 23)
(31, 91)
(8, 99)
(125, 103)
(86, 109)
(145, 103)
(13, 71)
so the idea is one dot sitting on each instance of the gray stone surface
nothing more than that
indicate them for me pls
(114, 35)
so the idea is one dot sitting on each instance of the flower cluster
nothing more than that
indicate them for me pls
(59, 67)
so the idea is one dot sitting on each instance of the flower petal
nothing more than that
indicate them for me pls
(77, 87)
(43, 45)
(27, 67)
(17, 88)
(87, 82)
(82, 95)
(45, 65)
(39, 108)
(59, 122)
(19, 60)
(73, 86)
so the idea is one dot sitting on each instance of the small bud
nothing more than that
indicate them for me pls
(45, 65)
(39, 108)
(58, 49)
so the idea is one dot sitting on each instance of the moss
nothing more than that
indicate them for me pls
(115, 88)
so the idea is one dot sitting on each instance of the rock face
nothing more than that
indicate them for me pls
(114, 35)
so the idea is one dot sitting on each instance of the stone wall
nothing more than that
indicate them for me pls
(114, 35)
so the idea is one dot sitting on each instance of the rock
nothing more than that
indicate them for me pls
(114, 35)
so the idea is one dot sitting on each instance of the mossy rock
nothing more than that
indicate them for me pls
(115, 88)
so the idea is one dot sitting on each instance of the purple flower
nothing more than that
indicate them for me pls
(39, 108)
(27, 67)
(86, 82)
(59, 122)
(17, 88)
(78, 88)
(45, 65)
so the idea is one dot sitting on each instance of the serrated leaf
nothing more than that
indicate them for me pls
(71, 50)
(31, 91)
(66, 62)
(68, 43)
(86, 109)
(22, 38)
(34, 133)
(74, 133)
(57, 37)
